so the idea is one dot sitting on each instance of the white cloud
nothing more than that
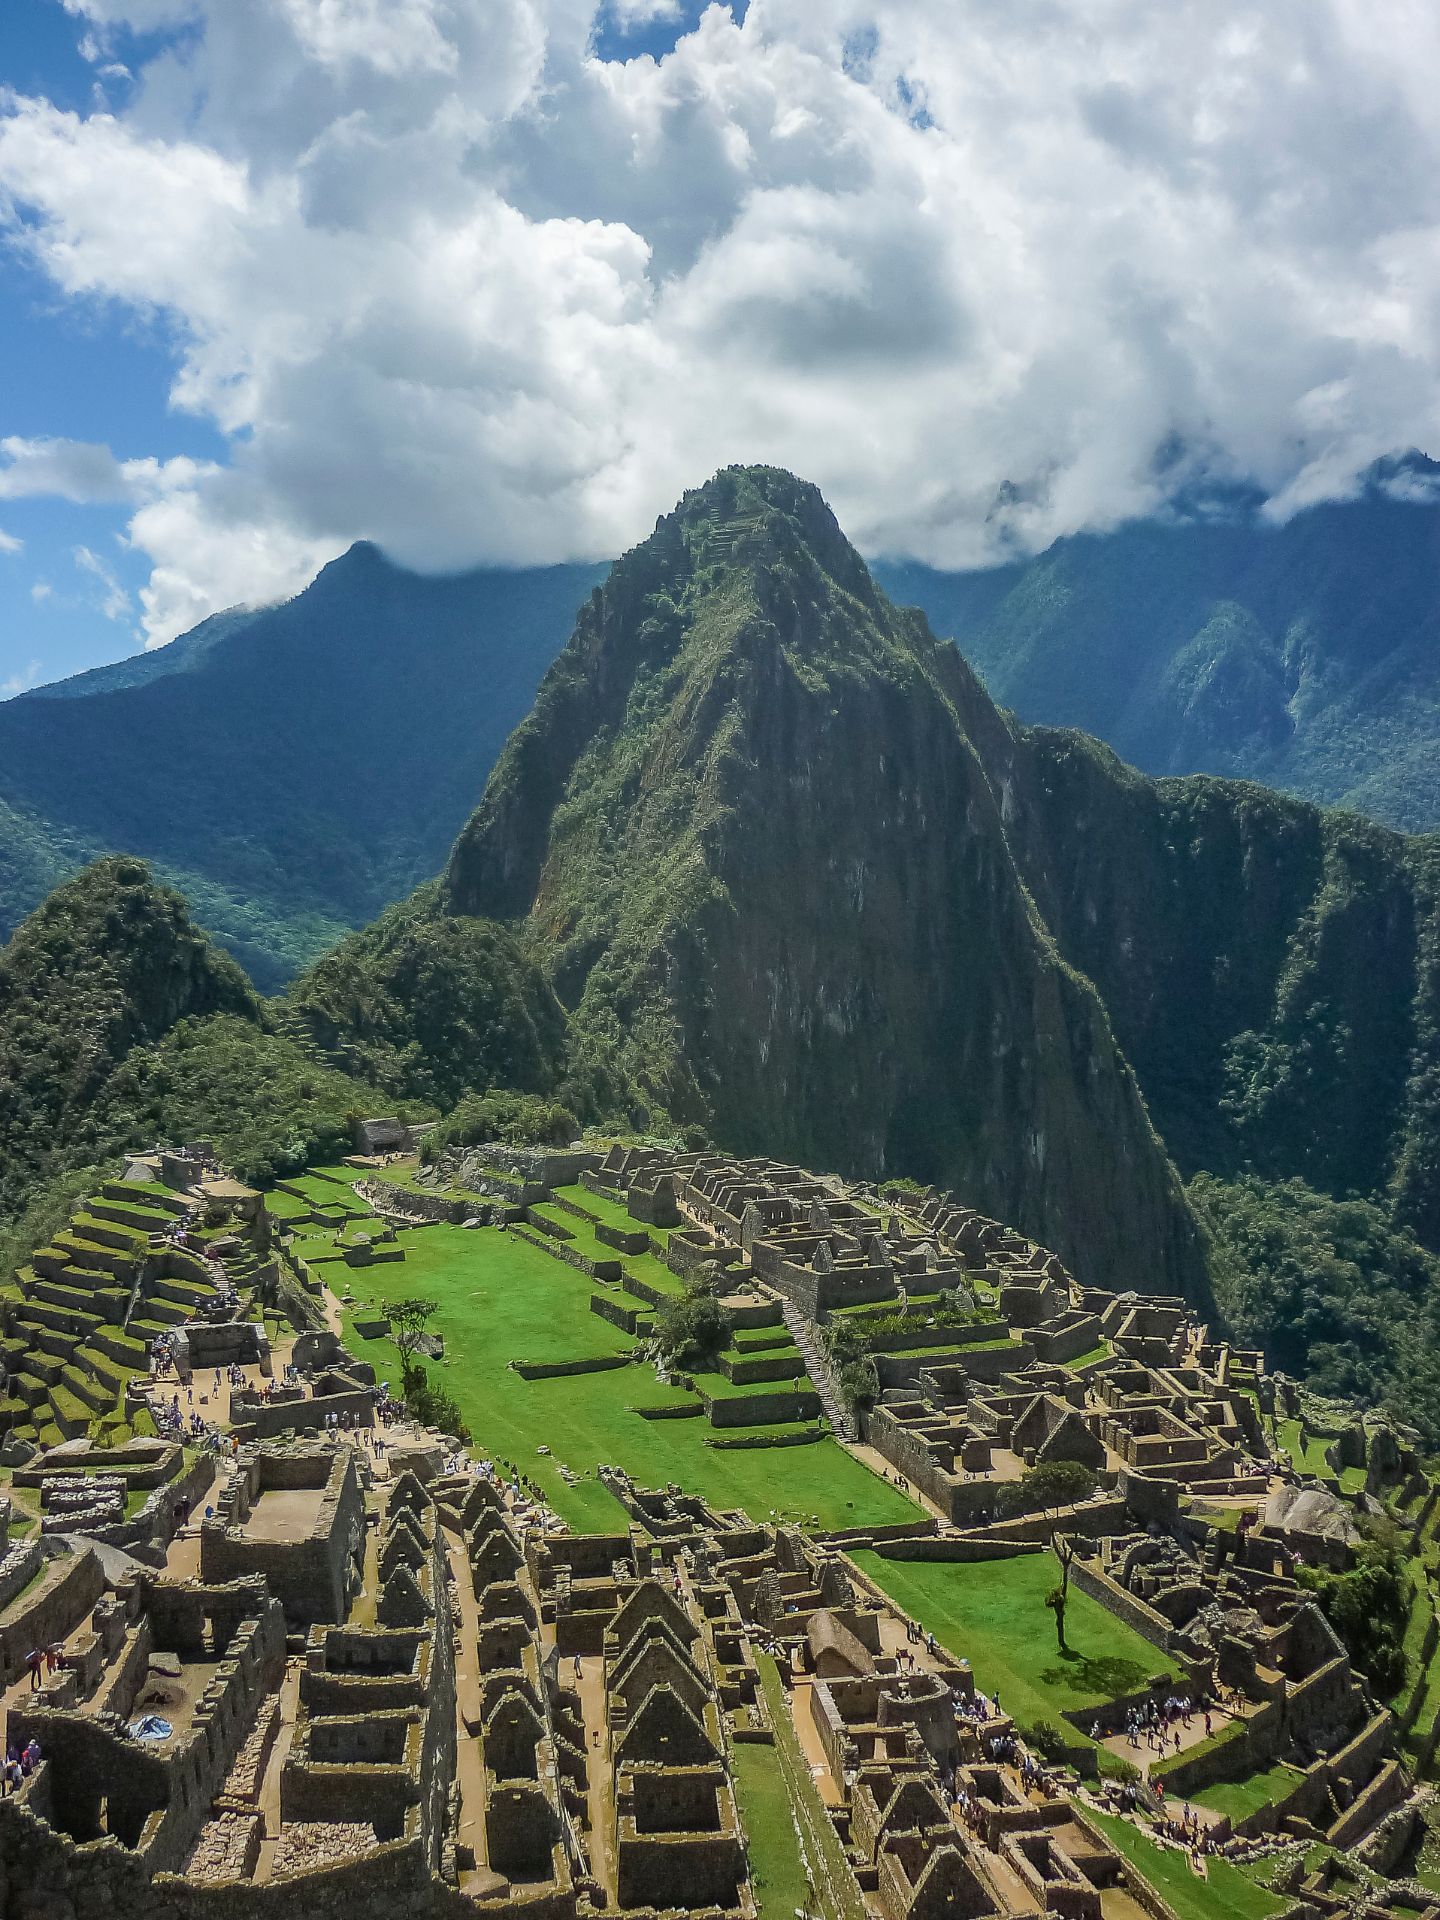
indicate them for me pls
(9, 543)
(988, 274)
(41, 591)
(630, 14)
(28, 676)
(112, 600)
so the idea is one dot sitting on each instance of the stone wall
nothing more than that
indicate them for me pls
(51, 1611)
(312, 1577)
(1126, 1606)
(387, 1198)
(258, 1417)
(548, 1243)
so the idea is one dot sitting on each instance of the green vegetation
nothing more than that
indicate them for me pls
(777, 1866)
(1306, 1448)
(268, 1105)
(501, 1299)
(1051, 1484)
(1249, 1792)
(1298, 655)
(1224, 1894)
(1369, 1607)
(834, 1882)
(110, 962)
(521, 1119)
(992, 1613)
(1332, 1290)
(292, 769)
(439, 1007)
(692, 1331)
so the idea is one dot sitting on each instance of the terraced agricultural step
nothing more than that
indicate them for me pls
(63, 1319)
(92, 1257)
(94, 1393)
(189, 1294)
(60, 1345)
(105, 1233)
(105, 1299)
(107, 1373)
(71, 1415)
(145, 1194)
(44, 1366)
(27, 1387)
(126, 1350)
(160, 1315)
(147, 1328)
(58, 1293)
(124, 1213)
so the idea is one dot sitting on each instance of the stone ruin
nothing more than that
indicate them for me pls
(349, 1691)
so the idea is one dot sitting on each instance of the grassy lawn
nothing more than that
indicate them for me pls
(502, 1299)
(1240, 1798)
(835, 1887)
(1087, 1359)
(777, 1867)
(1225, 1895)
(993, 1614)
(613, 1214)
(1311, 1457)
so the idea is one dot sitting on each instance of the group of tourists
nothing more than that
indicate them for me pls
(41, 1661)
(1161, 1724)
(20, 1763)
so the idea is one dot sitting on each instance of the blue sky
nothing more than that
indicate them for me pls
(81, 370)
(95, 371)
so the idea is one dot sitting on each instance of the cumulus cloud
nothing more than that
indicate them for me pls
(451, 281)
(10, 543)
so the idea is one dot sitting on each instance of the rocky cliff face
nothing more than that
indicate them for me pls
(1271, 970)
(758, 828)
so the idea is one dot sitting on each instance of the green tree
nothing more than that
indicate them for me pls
(1042, 1488)
(410, 1322)
(692, 1331)
(1368, 1607)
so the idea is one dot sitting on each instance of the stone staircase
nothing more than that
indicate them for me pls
(806, 1336)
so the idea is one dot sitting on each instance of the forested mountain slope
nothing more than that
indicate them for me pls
(1305, 655)
(293, 770)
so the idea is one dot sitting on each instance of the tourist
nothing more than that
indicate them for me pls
(35, 1661)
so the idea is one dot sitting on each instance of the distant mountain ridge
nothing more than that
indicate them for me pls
(1305, 656)
(292, 769)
